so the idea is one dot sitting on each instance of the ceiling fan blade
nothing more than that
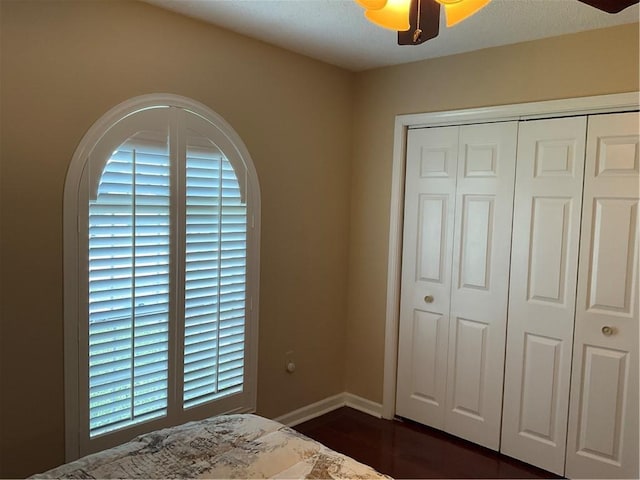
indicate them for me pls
(610, 6)
(424, 23)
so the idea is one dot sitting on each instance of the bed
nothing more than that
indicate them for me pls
(228, 446)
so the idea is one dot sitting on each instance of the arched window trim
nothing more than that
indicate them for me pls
(71, 242)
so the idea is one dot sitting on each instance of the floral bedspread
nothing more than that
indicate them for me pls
(228, 446)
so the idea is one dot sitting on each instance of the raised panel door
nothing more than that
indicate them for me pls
(480, 281)
(430, 187)
(603, 416)
(544, 264)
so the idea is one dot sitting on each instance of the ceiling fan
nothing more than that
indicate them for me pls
(417, 21)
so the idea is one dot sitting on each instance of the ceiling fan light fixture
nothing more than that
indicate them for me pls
(458, 10)
(394, 15)
(372, 4)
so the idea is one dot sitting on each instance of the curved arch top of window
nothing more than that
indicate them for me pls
(152, 123)
(161, 225)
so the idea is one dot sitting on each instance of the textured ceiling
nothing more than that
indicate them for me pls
(335, 31)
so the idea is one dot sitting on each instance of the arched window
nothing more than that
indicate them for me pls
(162, 225)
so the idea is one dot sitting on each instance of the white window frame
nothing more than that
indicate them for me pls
(75, 446)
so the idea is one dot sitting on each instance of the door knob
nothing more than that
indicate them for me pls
(428, 299)
(607, 330)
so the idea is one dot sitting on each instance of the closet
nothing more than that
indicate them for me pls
(518, 326)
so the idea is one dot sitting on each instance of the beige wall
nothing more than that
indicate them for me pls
(592, 63)
(64, 64)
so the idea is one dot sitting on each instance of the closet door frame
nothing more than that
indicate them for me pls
(525, 111)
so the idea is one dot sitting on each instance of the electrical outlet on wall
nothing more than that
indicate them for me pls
(289, 362)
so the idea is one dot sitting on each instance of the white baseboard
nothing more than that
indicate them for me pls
(329, 404)
(367, 406)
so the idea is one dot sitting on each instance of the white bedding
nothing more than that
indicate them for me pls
(228, 446)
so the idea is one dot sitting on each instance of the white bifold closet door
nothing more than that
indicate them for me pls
(455, 278)
(603, 414)
(430, 196)
(544, 265)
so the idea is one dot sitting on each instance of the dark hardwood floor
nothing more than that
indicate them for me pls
(403, 449)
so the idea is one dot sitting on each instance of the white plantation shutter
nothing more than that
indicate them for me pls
(165, 332)
(215, 278)
(129, 249)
